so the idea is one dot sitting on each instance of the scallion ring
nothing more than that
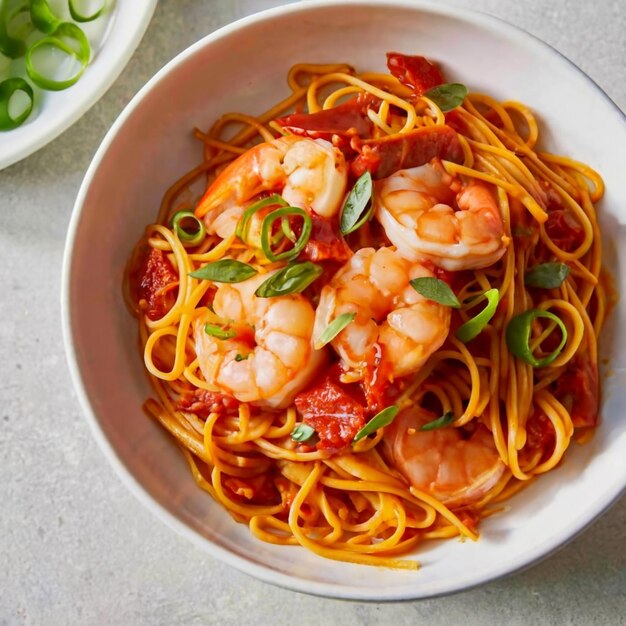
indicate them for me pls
(78, 16)
(81, 54)
(474, 326)
(43, 18)
(192, 236)
(7, 89)
(266, 233)
(243, 226)
(12, 47)
(518, 336)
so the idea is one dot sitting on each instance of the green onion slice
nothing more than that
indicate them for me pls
(518, 336)
(266, 233)
(219, 331)
(384, 418)
(11, 47)
(225, 271)
(7, 89)
(243, 226)
(302, 432)
(547, 275)
(355, 211)
(79, 16)
(43, 18)
(294, 278)
(198, 231)
(473, 327)
(441, 422)
(81, 53)
(333, 329)
(436, 290)
(448, 96)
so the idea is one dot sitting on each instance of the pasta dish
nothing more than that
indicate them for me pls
(370, 314)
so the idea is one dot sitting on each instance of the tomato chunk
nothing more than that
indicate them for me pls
(577, 389)
(326, 242)
(203, 403)
(561, 225)
(334, 414)
(156, 285)
(416, 72)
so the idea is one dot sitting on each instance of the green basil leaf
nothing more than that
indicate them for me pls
(384, 418)
(302, 432)
(356, 204)
(334, 328)
(448, 96)
(294, 278)
(547, 275)
(225, 271)
(436, 290)
(219, 332)
(241, 357)
(441, 422)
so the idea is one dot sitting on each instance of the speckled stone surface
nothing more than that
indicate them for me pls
(75, 546)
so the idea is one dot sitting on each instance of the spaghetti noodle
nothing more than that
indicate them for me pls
(512, 385)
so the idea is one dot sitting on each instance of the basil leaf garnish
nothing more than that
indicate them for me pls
(441, 422)
(356, 204)
(334, 328)
(294, 278)
(547, 275)
(302, 432)
(384, 418)
(219, 331)
(448, 96)
(436, 290)
(225, 271)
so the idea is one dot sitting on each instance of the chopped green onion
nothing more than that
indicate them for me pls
(11, 47)
(7, 89)
(81, 54)
(473, 327)
(198, 233)
(448, 96)
(243, 226)
(79, 16)
(436, 290)
(518, 336)
(547, 275)
(384, 418)
(441, 422)
(354, 213)
(43, 18)
(294, 278)
(334, 328)
(302, 432)
(266, 232)
(225, 271)
(219, 332)
(241, 357)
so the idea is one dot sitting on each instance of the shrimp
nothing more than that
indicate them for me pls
(271, 358)
(390, 315)
(456, 471)
(308, 173)
(416, 207)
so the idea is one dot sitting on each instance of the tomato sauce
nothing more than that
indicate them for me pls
(157, 285)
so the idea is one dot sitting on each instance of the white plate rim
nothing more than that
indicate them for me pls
(266, 574)
(108, 65)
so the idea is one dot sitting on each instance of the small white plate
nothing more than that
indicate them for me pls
(114, 38)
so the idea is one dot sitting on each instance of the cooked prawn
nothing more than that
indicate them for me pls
(416, 207)
(390, 314)
(271, 357)
(455, 470)
(308, 173)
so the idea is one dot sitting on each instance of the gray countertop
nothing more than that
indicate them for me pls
(75, 546)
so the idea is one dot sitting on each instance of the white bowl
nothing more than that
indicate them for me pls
(114, 39)
(243, 67)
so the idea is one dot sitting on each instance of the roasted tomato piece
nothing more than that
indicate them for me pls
(203, 403)
(416, 72)
(561, 225)
(385, 155)
(156, 285)
(334, 414)
(326, 242)
(577, 389)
